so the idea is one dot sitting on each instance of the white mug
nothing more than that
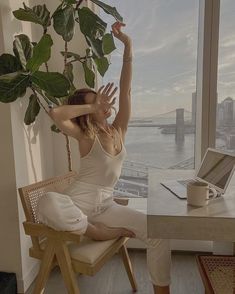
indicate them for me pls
(198, 193)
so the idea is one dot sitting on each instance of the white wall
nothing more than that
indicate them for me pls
(24, 160)
(27, 153)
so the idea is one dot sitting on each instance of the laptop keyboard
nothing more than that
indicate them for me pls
(185, 182)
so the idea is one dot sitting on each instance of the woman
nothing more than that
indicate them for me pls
(102, 152)
(57, 210)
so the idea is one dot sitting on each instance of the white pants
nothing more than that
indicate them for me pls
(158, 250)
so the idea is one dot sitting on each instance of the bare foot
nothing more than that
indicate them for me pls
(107, 233)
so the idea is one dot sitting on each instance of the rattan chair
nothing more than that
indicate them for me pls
(217, 273)
(71, 252)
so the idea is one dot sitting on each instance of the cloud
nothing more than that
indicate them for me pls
(228, 41)
(165, 40)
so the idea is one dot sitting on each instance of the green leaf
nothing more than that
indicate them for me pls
(39, 14)
(64, 22)
(9, 64)
(68, 73)
(53, 83)
(12, 86)
(22, 48)
(55, 129)
(109, 10)
(70, 1)
(41, 53)
(71, 54)
(108, 43)
(89, 75)
(91, 25)
(102, 65)
(96, 46)
(32, 110)
(52, 99)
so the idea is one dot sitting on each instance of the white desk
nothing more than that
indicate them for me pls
(171, 218)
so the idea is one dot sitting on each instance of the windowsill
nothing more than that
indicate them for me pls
(139, 204)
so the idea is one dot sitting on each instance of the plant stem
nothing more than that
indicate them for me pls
(41, 93)
(35, 93)
(79, 3)
(46, 65)
(76, 60)
(65, 53)
(68, 151)
(66, 136)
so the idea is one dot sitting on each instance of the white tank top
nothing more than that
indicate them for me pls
(92, 191)
(98, 167)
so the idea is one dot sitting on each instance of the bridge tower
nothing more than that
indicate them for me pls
(179, 133)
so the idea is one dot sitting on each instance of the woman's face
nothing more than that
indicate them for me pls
(101, 114)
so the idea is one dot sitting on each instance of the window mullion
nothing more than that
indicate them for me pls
(208, 39)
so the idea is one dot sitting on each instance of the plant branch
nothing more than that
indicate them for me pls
(75, 61)
(66, 136)
(65, 53)
(79, 3)
(40, 103)
(46, 65)
(68, 151)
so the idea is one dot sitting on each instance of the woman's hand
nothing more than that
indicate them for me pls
(104, 98)
(116, 29)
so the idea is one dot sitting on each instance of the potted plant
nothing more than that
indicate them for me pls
(22, 70)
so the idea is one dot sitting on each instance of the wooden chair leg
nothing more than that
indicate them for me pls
(128, 267)
(65, 264)
(45, 268)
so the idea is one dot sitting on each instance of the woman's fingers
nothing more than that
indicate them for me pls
(116, 27)
(100, 89)
(114, 91)
(108, 89)
(105, 93)
(113, 101)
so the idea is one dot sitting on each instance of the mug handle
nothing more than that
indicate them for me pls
(215, 193)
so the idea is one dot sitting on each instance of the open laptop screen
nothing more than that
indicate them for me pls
(217, 168)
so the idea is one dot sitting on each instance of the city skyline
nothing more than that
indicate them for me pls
(165, 53)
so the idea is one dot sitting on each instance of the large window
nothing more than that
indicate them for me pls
(225, 125)
(161, 131)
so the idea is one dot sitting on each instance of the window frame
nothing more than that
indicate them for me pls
(207, 75)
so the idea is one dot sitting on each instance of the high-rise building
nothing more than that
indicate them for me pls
(220, 114)
(228, 105)
(194, 107)
(179, 134)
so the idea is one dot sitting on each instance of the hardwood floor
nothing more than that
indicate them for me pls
(112, 279)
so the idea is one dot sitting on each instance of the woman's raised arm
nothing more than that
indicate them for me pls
(62, 116)
(122, 118)
(65, 112)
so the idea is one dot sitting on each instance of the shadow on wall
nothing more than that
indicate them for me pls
(10, 25)
(28, 140)
(31, 133)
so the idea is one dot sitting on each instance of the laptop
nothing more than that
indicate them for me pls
(216, 169)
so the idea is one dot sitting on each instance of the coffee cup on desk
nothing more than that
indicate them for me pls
(198, 193)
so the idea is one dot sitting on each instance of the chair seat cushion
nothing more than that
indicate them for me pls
(87, 250)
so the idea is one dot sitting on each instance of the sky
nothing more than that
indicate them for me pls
(164, 34)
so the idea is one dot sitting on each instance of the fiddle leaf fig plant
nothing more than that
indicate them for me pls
(22, 70)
